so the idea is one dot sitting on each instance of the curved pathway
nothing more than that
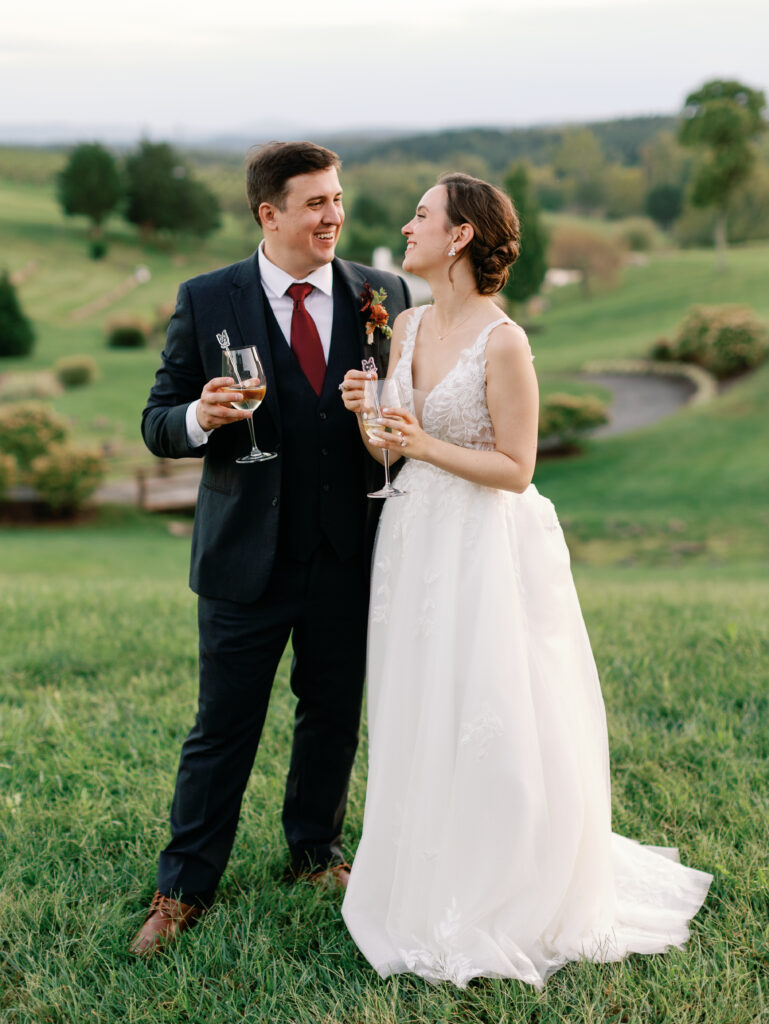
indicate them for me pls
(639, 399)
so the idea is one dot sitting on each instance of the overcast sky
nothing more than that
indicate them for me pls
(188, 68)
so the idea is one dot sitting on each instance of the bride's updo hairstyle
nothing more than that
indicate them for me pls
(496, 241)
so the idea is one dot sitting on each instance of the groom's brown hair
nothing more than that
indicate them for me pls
(270, 166)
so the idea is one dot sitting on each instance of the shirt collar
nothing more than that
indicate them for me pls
(278, 281)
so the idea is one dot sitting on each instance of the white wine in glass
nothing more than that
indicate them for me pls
(378, 395)
(245, 367)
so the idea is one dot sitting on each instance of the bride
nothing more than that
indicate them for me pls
(487, 846)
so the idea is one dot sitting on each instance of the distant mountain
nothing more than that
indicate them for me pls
(621, 140)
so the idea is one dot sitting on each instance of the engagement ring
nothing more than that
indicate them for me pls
(403, 442)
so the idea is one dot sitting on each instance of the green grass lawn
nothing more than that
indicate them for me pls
(97, 670)
(668, 532)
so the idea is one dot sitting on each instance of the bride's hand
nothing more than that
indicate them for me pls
(406, 437)
(352, 388)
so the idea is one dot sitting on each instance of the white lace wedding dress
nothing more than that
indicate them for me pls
(487, 846)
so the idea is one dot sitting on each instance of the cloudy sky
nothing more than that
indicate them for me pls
(185, 68)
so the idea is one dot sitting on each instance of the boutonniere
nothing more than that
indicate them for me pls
(374, 304)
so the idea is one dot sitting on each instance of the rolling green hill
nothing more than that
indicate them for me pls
(703, 466)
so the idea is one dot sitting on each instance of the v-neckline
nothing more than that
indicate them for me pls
(446, 375)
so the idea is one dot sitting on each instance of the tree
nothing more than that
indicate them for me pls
(665, 161)
(17, 336)
(625, 191)
(579, 162)
(528, 271)
(664, 203)
(721, 120)
(162, 194)
(90, 184)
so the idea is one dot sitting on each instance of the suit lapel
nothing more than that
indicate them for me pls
(247, 298)
(354, 280)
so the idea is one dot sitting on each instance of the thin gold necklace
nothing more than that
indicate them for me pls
(454, 328)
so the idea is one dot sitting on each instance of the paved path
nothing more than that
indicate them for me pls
(639, 399)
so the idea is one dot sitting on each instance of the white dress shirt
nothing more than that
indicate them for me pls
(275, 283)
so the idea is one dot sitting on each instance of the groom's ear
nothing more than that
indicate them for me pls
(267, 217)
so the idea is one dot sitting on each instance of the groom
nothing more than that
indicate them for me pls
(279, 548)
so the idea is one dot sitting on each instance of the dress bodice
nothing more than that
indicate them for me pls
(455, 410)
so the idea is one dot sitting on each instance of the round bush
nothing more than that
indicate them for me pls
(127, 334)
(638, 234)
(75, 371)
(662, 350)
(22, 387)
(28, 429)
(564, 417)
(725, 340)
(7, 472)
(97, 249)
(65, 477)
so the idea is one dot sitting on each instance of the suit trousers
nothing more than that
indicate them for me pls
(322, 604)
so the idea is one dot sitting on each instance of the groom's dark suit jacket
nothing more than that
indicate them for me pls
(246, 512)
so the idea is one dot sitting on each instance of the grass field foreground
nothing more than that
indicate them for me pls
(98, 689)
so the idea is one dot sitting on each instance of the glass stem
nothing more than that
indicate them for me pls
(253, 436)
(386, 454)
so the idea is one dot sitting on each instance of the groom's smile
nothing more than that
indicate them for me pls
(300, 235)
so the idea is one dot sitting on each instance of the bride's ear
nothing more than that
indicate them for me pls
(463, 235)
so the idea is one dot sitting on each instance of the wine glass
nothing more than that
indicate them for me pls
(378, 395)
(245, 366)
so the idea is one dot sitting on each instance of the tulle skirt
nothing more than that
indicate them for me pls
(487, 846)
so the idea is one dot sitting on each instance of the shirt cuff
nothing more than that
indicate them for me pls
(196, 436)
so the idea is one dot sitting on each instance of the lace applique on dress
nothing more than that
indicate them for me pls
(455, 410)
(480, 732)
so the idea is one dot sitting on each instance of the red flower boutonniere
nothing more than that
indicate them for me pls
(373, 302)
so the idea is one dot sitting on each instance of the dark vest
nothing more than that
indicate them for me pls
(323, 485)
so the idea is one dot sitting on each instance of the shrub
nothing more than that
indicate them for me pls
(127, 334)
(21, 387)
(75, 371)
(638, 234)
(97, 249)
(662, 351)
(7, 472)
(28, 429)
(17, 337)
(726, 340)
(563, 417)
(65, 477)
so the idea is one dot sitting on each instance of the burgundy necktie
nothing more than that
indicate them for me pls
(305, 340)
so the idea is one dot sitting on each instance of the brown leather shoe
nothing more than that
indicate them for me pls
(166, 920)
(334, 877)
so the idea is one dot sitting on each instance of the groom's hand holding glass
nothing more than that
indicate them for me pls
(215, 405)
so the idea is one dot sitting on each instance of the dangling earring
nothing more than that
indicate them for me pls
(452, 251)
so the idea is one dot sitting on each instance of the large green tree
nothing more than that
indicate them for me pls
(528, 271)
(721, 120)
(162, 194)
(90, 184)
